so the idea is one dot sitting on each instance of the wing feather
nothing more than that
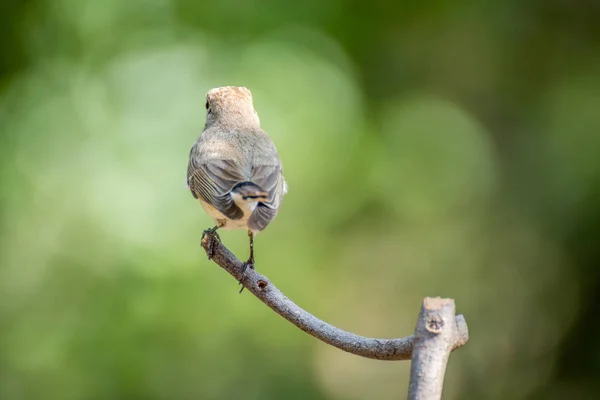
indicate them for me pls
(270, 178)
(212, 182)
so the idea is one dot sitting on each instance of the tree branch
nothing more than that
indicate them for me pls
(261, 287)
(434, 339)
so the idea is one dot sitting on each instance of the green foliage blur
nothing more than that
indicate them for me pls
(431, 148)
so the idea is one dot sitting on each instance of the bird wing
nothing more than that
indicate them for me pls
(212, 181)
(270, 179)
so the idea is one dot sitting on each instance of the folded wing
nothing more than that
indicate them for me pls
(270, 179)
(212, 181)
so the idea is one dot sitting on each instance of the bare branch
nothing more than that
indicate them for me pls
(434, 339)
(261, 287)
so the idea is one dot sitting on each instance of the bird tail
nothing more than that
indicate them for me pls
(250, 191)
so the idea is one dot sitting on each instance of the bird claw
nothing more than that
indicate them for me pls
(245, 266)
(212, 237)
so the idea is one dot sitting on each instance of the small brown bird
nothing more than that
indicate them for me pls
(234, 169)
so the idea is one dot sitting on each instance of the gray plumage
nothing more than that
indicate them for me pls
(234, 169)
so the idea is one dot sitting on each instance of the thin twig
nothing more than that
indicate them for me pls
(434, 339)
(261, 287)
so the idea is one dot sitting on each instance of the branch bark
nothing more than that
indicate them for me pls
(434, 339)
(265, 291)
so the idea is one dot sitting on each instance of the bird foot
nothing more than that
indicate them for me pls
(245, 266)
(212, 237)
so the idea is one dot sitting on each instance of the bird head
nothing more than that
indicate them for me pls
(230, 105)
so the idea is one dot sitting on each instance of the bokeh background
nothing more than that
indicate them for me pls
(432, 148)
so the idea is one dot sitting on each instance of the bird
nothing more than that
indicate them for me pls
(234, 168)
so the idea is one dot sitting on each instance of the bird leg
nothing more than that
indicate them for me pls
(250, 262)
(213, 237)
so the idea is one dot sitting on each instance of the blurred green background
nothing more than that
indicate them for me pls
(431, 148)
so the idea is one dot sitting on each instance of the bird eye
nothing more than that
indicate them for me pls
(207, 104)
